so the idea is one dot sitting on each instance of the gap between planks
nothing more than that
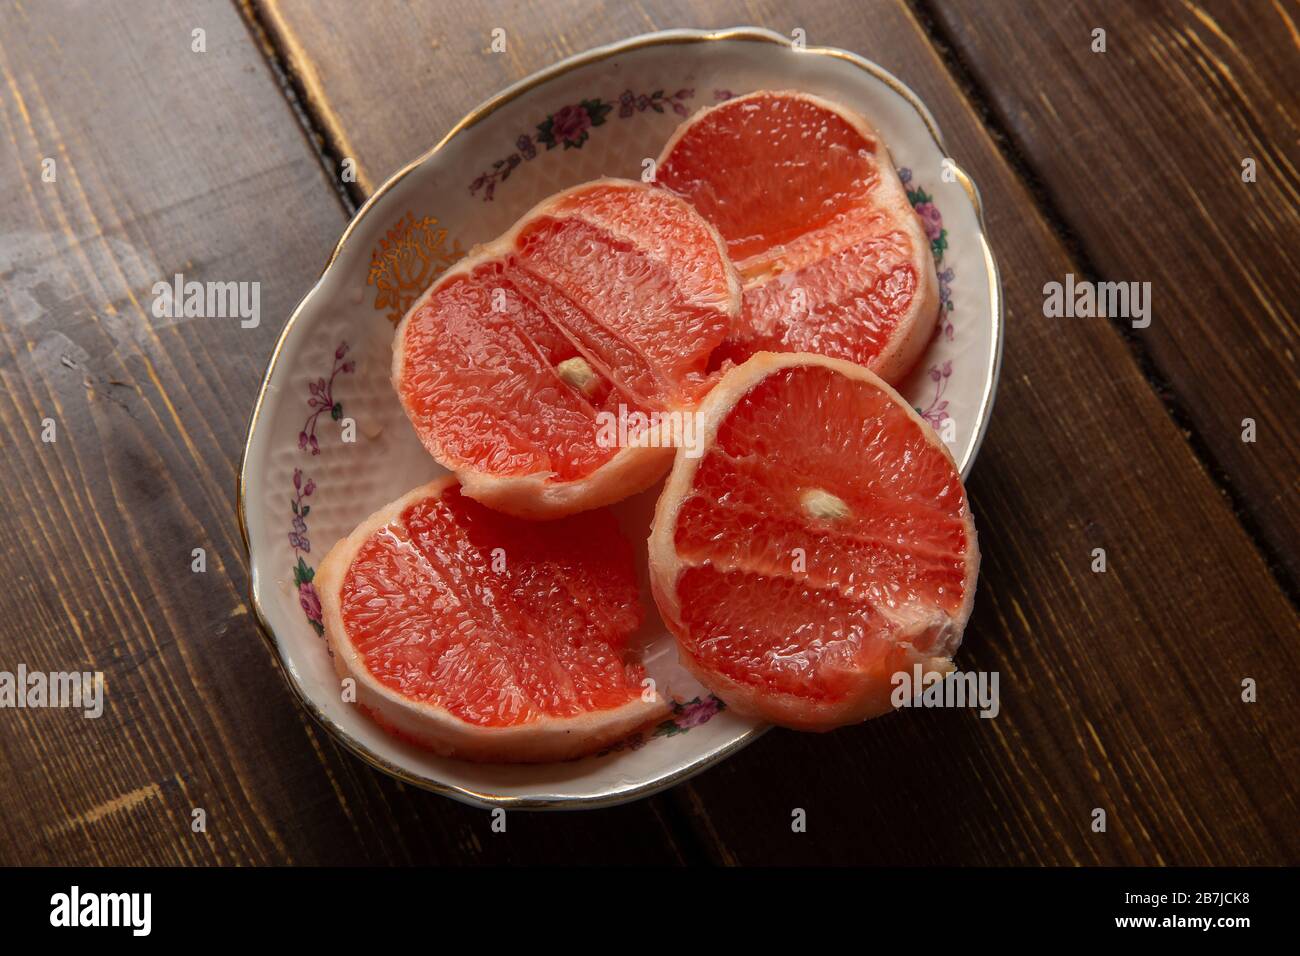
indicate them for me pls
(318, 132)
(1166, 393)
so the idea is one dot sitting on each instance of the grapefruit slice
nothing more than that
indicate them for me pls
(821, 544)
(484, 637)
(832, 257)
(600, 305)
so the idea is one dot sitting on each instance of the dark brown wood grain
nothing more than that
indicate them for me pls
(1120, 690)
(1140, 149)
(172, 161)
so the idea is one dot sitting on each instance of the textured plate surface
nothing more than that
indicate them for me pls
(328, 442)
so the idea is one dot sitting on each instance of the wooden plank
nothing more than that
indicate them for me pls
(167, 161)
(1141, 150)
(1120, 690)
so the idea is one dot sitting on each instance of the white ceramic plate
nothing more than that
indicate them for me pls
(303, 484)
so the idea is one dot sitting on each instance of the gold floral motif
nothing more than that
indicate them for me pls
(409, 258)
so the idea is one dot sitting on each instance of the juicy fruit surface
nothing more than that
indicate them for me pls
(435, 619)
(623, 278)
(810, 459)
(796, 192)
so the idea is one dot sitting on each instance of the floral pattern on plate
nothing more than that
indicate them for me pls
(570, 126)
(936, 412)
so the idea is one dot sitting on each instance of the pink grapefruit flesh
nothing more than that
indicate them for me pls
(821, 544)
(832, 257)
(605, 300)
(485, 637)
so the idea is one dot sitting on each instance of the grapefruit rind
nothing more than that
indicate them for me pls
(631, 469)
(870, 695)
(916, 325)
(542, 740)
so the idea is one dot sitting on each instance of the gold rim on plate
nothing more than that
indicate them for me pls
(473, 118)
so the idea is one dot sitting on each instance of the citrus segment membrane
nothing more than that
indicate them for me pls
(605, 300)
(822, 543)
(831, 255)
(488, 637)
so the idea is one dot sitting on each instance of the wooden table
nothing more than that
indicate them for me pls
(1120, 690)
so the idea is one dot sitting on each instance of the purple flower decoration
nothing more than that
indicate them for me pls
(310, 602)
(321, 399)
(298, 539)
(697, 712)
(932, 222)
(303, 573)
(931, 219)
(570, 124)
(936, 413)
(690, 714)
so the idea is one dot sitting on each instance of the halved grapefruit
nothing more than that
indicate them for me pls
(602, 304)
(832, 257)
(485, 637)
(820, 545)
